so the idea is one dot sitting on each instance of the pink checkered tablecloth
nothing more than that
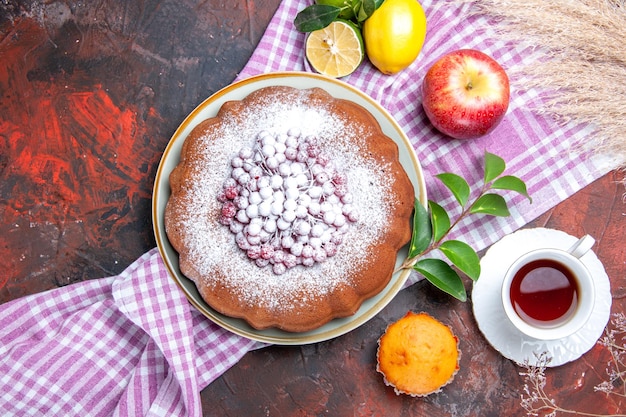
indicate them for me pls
(133, 345)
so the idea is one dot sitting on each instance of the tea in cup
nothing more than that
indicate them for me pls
(549, 293)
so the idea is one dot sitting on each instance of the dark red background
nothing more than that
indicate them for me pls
(91, 92)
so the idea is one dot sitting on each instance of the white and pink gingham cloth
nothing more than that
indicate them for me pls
(124, 345)
(133, 345)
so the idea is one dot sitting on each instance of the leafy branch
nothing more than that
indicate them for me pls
(321, 14)
(431, 227)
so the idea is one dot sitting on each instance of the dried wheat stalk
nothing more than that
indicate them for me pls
(578, 61)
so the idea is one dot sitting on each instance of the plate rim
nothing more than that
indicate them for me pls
(276, 336)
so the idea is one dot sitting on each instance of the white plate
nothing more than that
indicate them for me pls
(490, 314)
(209, 108)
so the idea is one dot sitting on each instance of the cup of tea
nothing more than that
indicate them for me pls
(549, 293)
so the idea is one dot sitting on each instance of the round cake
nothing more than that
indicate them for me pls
(418, 355)
(288, 208)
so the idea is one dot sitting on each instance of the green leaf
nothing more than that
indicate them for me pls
(442, 276)
(492, 204)
(494, 166)
(433, 225)
(356, 8)
(457, 185)
(315, 17)
(512, 183)
(440, 220)
(462, 256)
(422, 230)
(365, 10)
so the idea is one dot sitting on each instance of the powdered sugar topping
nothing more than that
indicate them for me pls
(212, 246)
(286, 202)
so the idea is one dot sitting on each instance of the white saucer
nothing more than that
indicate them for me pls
(492, 320)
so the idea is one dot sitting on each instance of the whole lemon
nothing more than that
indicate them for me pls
(394, 35)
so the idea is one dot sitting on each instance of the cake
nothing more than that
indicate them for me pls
(288, 208)
(417, 355)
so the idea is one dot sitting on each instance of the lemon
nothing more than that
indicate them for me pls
(336, 50)
(394, 35)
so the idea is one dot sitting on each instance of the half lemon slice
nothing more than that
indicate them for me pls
(336, 50)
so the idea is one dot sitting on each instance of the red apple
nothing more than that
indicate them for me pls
(465, 94)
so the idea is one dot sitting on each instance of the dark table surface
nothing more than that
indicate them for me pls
(90, 94)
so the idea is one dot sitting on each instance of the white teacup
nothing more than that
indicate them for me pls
(549, 293)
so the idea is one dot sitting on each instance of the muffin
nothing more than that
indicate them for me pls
(418, 355)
